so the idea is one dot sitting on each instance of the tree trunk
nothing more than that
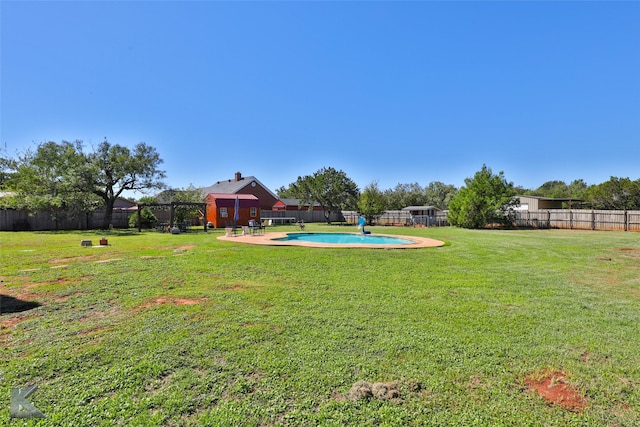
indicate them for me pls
(108, 213)
(327, 216)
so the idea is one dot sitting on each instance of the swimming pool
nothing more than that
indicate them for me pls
(334, 240)
(344, 239)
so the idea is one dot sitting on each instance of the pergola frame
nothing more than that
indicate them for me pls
(172, 207)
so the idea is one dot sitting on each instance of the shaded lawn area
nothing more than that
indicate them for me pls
(495, 328)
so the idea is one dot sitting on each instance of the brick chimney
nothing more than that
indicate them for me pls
(238, 176)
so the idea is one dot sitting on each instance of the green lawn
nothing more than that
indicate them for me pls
(161, 329)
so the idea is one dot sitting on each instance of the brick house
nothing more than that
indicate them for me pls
(244, 185)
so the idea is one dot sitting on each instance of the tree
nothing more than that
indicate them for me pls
(403, 195)
(330, 188)
(186, 195)
(578, 189)
(559, 189)
(113, 169)
(49, 180)
(62, 180)
(147, 218)
(7, 166)
(486, 199)
(439, 194)
(371, 203)
(286, 193)
(435, 194)
(617, 193)
(553, 189)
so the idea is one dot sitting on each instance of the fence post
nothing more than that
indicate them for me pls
(204, 212)
(570, 219)
(593, 219)
(626, 220)
(548, 219)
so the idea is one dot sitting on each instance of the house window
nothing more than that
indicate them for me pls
(253, 212)
(223, 212)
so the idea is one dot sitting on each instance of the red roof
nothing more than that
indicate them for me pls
(221, 196)
(229, 200)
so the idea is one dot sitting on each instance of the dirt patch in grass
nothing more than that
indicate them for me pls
(7, 324)
(179, 248)
(66, 260)
(30, 285)
(633, 253)
(553, 386)
(27, 297)
(95, 334)
(102, 261)
(172, 301)
(97, 314)
(58, 281)
(11, 322)
(63, 298)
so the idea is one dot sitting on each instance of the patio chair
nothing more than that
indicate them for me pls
(255, 227)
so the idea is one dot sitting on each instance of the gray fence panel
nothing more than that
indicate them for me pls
(21, 220)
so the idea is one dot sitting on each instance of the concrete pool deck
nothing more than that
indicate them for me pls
(268, 239)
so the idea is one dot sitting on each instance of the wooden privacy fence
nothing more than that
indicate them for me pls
(22, 220)
(578, 219)
(575, 219)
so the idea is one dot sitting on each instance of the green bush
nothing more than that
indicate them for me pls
(147, 219)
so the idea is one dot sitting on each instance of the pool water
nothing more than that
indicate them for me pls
(344, 238)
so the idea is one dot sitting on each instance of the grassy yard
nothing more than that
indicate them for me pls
(161, 329)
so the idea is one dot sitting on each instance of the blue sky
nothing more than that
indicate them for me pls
(393, 92)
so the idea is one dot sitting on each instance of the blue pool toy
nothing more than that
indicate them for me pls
(361, 223)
